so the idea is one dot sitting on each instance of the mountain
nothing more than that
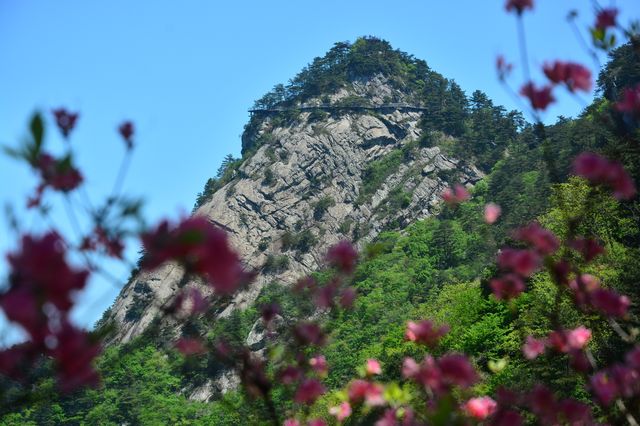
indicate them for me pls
(363, 140)
(419, 259)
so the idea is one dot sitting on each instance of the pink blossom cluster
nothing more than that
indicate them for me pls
(440, 375)
(600, 171)
(621, 380)
(456, 195)
(200, 247)
(425, 332)
(587, 292)
(39, 298)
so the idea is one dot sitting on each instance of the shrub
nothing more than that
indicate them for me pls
(321, 206)
(276, 264)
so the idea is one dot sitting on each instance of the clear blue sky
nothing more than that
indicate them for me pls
(187, 71)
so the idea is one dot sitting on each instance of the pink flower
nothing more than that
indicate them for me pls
(410, 368)
(269, 311)
(373, 367)
(457, 370)
(343, 256)
(604, 388)
(507, 287)
(65, 120)
(358, 390)
(347, 297)
(316, 422)
(323, 297)
(363, 390)
(74, 353)
(113, 246)
(425, 332)
(21, 306)
(480, 408)
(58, 174)
(579, 337)
(588, 247)
(575, 412)
(40, 269)
(578, 361)
(633, 358)
(403, 416)
(507, 418)
(569, 340)
(289, 374)
(533, 347)
(606, 18)
(492, 212)
(14, 360)
(609, 302)
(543, 404)
(126, 130)
(428, 373)
(190, 346)
(560, 271)
(198, 303)
(558, 341)
(543, 240)
(630, 102)
(201, 247)
(522, 262)
(309, 333)
(319, 365)
(341, 412)
(599, 170)
(291, 422)
(518, 5)
(308, 391)
(575, 76)
(504, 68)
(539, 98)
(456, 195)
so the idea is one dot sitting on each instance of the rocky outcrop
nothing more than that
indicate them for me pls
(311, 183)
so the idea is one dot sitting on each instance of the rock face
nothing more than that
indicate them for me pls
(313, 181)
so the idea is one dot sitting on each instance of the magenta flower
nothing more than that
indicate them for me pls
(190, 346)
(341, 412)
(599, 170)
(343, 256)
(522, 262)
(319, 365)
(533, 347)
(503, 67)
(425, 332)
(201, 247)
(606, 18)
(573, 75)
(544, 241)
(480, 408)
(518, 5)
(456, 195)
(630, 102)
(492, 212)
(539, 98)
(126, 130)
(373, 367)
(308, 391)
(65, 120)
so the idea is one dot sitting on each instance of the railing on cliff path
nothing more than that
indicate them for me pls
(326, 107)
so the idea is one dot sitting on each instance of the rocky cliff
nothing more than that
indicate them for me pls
(304, 189)
(313, 176)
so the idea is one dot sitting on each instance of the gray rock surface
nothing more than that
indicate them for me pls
(310, 161)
